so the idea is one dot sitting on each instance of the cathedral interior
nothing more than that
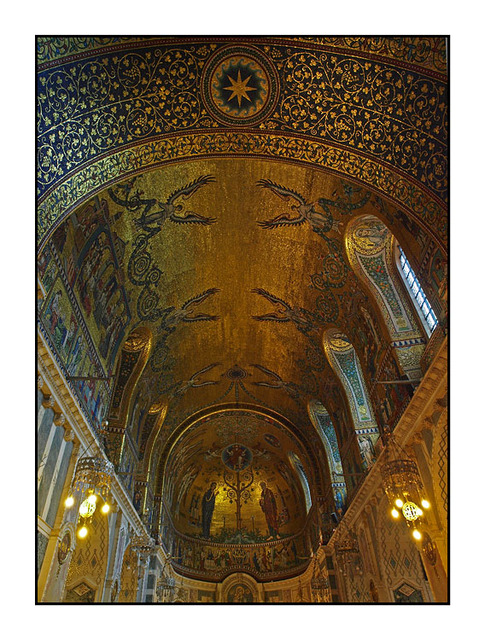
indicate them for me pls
(242, 319)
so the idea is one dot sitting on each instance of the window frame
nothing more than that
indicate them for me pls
(427, 315)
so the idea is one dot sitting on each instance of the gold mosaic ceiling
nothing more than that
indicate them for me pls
(227, 172)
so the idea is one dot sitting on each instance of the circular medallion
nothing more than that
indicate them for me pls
(239, 86)
(64, 547)
(237, 457)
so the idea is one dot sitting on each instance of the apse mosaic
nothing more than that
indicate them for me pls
(227, 483)
(236, 497)
(211, 561)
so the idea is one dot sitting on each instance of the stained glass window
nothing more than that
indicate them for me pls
(417, 292)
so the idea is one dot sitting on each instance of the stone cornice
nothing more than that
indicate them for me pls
(65, 403)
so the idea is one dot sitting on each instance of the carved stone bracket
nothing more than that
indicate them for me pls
(48, 402)
(59, 419)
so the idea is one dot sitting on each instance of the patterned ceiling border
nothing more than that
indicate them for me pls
(90, 107)
(428, 52)
(117, 166)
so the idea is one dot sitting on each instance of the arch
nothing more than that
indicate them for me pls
(370, 247)
(240, 588)
(131, 362)
(345, 362)
(120, 148)
(300, 470)
(323, 424)
(162, 453)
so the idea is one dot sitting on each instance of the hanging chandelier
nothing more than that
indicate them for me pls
(405, 492)
(347, 550)
(318, 583)
(142, 545)
(165, 589)
(90, 488)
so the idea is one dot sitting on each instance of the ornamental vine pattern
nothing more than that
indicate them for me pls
(93, 106)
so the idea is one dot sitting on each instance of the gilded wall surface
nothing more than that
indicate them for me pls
(218, 223)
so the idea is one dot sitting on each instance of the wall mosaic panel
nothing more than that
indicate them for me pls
(85, 310)
(235, 478)
(212, 561)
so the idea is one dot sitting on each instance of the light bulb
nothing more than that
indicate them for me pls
(417, 535)
(92, 498)
(419, 511)
(105, 508)
(69, 501)
(87, 508)
(425, 504)
(395, 513)
(399, 503)
(82, 532)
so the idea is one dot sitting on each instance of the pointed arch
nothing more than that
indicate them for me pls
(323, 424)
(345, 362)
(371, 249)
(132, 360)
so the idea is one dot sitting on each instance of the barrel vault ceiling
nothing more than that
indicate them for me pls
(220, 175)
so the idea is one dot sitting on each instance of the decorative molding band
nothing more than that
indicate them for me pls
(426, 53)
(112, 168)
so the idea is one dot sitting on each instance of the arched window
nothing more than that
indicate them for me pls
(422, 303)
(371, 248)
